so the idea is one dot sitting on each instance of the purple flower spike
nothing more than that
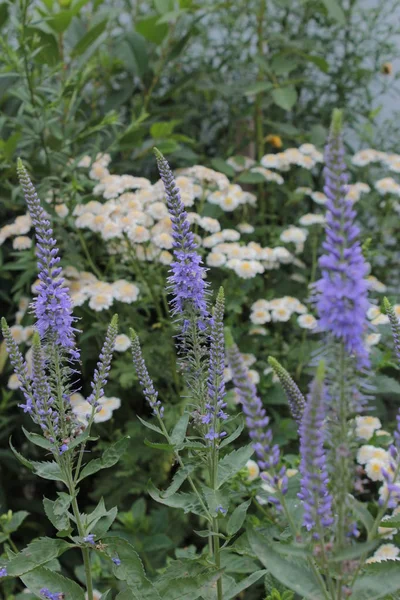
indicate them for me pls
(104, 364)
(45, 592)
(295, 397)
(216, 383)
(52, 306)
(342, 299)
(187, 273)
(268, 455)
(145, 381)
(317, 501)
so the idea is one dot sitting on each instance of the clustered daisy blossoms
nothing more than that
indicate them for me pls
(281, 310)
(341, 293)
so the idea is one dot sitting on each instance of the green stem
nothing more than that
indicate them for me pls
(87, 254)
(85, 551)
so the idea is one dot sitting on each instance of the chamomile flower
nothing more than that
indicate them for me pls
(122, 343)
(253, 470)
(307, 321)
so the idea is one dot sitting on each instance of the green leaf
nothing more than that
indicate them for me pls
(230, 438)
(150, 425)
(235, 589)
(251, 178)
(159, 446)
(89, 38)
(38, 440)
(27, 463)
(150, 29)
(49, 470)
(220, 165)
(355, 551)
(179, 432)
(36, 554)
(393, 521)
(335, 11)
(258, 88)
(232, 463)
(319, 61)
(177, 480)
(100, 520)
(185, 580)
(285, 97)
(15, 522)
(385, 385)
(107, 595)
(379, 580)
(237, 518)
(60, 522)
(131, 568)
(3, 13)
(164, 6)
(110, 458)
(60, 21)
(294, 574)
(187, 502)
(361, 512)
(163, 128)
(62, 504)
(44, 578)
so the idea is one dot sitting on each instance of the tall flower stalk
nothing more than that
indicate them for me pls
(342, 301)
(48, 387)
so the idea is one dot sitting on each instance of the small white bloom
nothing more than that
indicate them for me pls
(260, 316)
(124, 291)
(245, 228)
(376, 285)
(372, 339)
(307, 321)
(387, 551)
(374, 468)
(311, 219)
(215, 259)
(13, 382)
(253, 470)
(281, 314)
(122, 342)
(319, 197)
(22, 242)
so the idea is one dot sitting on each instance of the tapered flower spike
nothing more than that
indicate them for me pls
(186, 282)
(104, 364)
(216, 384)
(295, 398)
(317, 501)
(145, 381)
(342, 291)
(268, 455)
(46, 413)
(20, 368)
(52, 306)
(394, 324)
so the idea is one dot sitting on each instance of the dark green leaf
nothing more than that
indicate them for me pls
(89, 38)
(379, 580)
(151, 30)
(36, 554)
(15, 522)
(335, 11)
(27, 463)
(179, 432)
(49, 470)
(220, 165)
(38, 440)
(237, 518)
(187, 502)
(44, 578)
(110, 458)
(232, 463)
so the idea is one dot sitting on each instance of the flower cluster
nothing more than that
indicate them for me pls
(52, 305)
(268, 455)
(281, 310)
(341, 293)
(317, 501)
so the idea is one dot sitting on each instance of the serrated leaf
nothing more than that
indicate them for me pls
(27, 463)
(393, 521)
(355, 551)
(131, 569)
(44, 578)
(179, 432)
(49, 470)
(235, 589)
(187, 502)
(294, 574)
(177, 480)
(15, 522)
(107, 595)
(110, 458)
(159, 446)
(185, 585)
(258, 88)
(232, 463)
(237, 518)
(36, 554)
(38, 440)
(285, 97)
(60, 522)
(150, 426)
(233, 436)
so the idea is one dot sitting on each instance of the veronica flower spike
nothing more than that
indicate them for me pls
(257, 421)
(341, 293)
(52, 306)
(186, 282)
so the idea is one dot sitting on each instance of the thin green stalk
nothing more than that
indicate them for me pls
(87, 254)
(85, 551)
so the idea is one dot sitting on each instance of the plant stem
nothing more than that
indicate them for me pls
(87, 254)
(85, 551)
(258, 112)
